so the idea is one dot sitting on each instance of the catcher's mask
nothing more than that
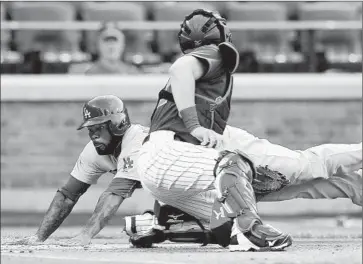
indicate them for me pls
(204, 27)
(107, 109)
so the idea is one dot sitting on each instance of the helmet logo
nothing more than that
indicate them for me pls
(86, 113)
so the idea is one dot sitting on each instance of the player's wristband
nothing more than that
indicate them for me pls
(190, 118)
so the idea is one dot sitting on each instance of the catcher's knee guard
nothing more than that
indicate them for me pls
(234, 174)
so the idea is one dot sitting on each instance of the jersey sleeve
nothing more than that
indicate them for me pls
(123, 187)
(131, 145)
(87, 169)
(211, 58)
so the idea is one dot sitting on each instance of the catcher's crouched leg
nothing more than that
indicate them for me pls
(167, 223)
(234, 174)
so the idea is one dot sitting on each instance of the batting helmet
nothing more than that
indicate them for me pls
(203, 27)
(106, 108)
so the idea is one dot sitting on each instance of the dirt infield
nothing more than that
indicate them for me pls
(315, 241)
(304, 251)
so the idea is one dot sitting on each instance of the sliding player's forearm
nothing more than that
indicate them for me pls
(58, 210)
(106, 207)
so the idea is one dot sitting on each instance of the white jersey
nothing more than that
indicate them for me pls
(182, 175)
(90, 166)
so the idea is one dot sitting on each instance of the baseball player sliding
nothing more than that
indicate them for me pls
(114, 147)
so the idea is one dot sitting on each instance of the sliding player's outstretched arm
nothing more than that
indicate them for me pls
(61, 206)
(86, 171)
(107, 205)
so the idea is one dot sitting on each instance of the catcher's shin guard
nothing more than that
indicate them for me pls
(234, 175)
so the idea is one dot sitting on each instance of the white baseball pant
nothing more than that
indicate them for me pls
(181, 174)
(178, 173)
(326, 171)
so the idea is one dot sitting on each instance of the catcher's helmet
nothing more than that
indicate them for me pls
(201, 28)
(106, 108)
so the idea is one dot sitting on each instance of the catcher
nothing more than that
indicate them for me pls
(180, 159)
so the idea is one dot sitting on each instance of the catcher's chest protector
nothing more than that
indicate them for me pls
(213, 103)
(212, 97)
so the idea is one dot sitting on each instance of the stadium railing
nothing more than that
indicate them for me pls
(309, 86)
(168, 25)
(329, 86)
(308, 27)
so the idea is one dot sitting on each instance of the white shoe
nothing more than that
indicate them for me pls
(240, 243)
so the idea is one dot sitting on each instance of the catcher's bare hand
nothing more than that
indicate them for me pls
(207, 137)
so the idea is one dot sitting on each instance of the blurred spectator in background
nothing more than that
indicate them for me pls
(8, 57)
(111, 46)
(248, 62)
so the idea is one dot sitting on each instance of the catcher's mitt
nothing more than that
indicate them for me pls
(267, 181)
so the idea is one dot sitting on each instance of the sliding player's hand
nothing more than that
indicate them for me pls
(29, 240)
(78, 240)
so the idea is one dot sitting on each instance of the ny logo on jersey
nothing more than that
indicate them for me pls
(86, 113)
(219, 214)
(128, 163)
